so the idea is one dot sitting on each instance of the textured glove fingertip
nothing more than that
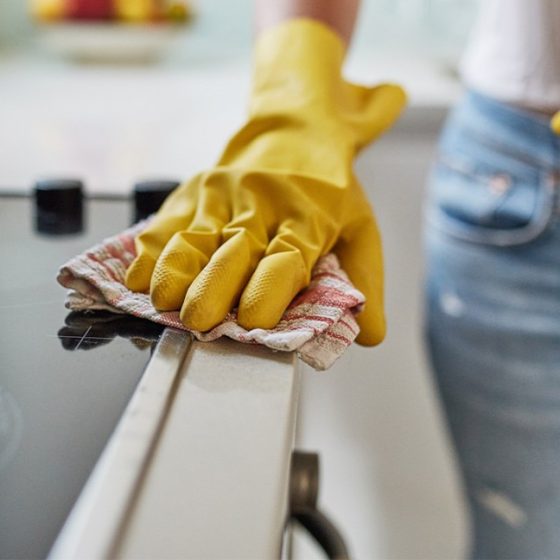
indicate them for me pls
(168, 288)
(197, 315)
(258, 319)
(258, 309)
(278, 278)
(203, 309)
(139, 274)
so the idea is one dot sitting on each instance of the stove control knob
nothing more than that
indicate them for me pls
(149, 196)
(59, 206)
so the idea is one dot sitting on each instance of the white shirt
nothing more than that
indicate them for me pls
(514, 53)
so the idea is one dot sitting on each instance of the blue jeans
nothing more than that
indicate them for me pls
(493, 320)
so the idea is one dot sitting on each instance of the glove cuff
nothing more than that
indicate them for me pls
(296, 63)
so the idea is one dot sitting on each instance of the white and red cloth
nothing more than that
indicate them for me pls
(319, 324)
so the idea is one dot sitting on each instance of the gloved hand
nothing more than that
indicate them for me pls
(249, 231)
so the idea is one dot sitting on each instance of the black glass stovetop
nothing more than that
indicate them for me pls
(65, 378)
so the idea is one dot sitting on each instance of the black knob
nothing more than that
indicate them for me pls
(59, 207)
(149, 196)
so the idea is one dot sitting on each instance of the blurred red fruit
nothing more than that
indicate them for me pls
(90, 9)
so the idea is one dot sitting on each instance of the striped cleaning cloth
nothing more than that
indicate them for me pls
(319, 324)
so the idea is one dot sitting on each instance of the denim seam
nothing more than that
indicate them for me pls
(505, 150)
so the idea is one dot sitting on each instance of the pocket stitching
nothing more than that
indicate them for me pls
(538, 223)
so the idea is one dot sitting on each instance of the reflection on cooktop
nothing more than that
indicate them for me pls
(11, 427)
(91, 329)
(58, 408)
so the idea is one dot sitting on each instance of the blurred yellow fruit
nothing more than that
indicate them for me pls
(179, 11)
(48, 10)
(135, 10)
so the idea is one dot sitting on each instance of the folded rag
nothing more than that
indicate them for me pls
(319, 324)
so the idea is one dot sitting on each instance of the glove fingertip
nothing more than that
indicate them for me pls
(262, 308)
(139, 273)
(276, 281)
(196, 315)
(372, 330)
(203, 309)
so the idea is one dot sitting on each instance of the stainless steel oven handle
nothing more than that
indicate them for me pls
(304, 493)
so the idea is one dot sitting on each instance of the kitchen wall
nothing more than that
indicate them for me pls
(15, 27)
(438, 27)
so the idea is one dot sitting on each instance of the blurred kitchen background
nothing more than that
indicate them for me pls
(157, 97)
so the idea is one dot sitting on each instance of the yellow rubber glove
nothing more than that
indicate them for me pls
(249, 231)
(555, 123)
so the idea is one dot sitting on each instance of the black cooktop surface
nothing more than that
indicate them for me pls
(65, 379)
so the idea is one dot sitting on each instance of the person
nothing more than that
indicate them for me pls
(247, 233)
(493, 279)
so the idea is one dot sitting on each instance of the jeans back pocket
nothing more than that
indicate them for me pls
(507, 203)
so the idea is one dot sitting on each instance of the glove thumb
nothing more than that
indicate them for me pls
(371, 111)
(361, 258)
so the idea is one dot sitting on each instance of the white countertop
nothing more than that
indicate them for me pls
(199, 465)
